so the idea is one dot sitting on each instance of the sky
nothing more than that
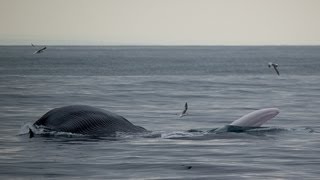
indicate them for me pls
(160, 22)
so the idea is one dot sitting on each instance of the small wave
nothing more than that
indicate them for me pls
(240, 129)
(311, 130)
(25, 128)
(268, 129)
(307, 129)
(182, 134)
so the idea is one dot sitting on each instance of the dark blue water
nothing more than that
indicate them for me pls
(149, 86)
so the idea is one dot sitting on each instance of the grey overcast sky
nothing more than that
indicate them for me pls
(160, 22)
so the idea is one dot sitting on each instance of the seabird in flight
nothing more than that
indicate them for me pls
(275, 66)
(40, 50)
(184, 112)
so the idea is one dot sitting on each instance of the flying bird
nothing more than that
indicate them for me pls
(275, 66)
(40, 50)
(184, 112)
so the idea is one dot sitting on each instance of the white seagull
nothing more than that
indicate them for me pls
(40, 50)
(184, 112)
(275, 66)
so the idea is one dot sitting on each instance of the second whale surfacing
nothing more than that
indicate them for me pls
(87, 120)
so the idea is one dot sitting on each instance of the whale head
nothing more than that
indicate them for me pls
(256, 118)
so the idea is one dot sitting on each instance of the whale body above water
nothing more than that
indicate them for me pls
(88, 120)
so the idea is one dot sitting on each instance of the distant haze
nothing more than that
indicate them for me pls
(160, 22)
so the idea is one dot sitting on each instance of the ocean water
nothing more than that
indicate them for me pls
(149, 86)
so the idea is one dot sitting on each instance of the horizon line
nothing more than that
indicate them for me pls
(168, 45)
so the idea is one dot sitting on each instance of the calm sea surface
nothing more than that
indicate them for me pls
(149, 86)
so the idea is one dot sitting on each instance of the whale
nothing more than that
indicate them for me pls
(256, 118)
(88, 120)
(252, 120)
(85, 120)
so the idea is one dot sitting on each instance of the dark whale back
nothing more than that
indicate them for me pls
(86, 120)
